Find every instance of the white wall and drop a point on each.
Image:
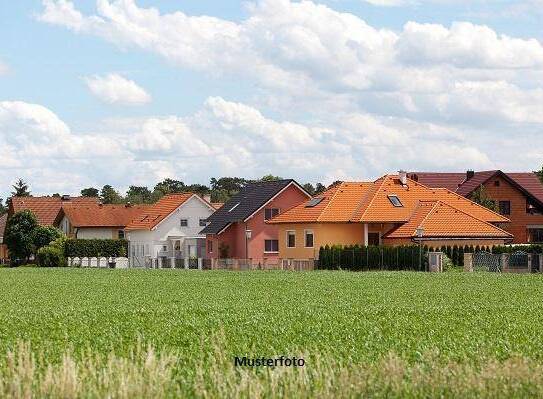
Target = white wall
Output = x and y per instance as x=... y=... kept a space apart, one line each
x=152 y=241
x=96 y=232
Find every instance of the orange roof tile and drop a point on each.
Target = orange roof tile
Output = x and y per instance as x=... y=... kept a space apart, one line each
x=153 y=215
x=369 y=202
x=217 y=205
x=46 y=209
x=108 y=215
x=439 y=219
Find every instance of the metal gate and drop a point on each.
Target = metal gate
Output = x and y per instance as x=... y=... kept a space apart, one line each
x=518 y=260
x=536 y=263
x=487 y=262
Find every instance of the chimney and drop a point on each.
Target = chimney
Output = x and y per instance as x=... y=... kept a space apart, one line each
x=128 y=204
x=65 y=197
x=470 y=174
x=207 y=197
x=403 y=176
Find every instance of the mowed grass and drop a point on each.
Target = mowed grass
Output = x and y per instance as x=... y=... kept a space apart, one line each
x=351 y=320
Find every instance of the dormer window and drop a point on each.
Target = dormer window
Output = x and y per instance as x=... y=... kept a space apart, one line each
x=394 y=200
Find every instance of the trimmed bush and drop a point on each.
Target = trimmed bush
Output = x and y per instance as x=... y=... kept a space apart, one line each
x=95 y=248
x=50 y=256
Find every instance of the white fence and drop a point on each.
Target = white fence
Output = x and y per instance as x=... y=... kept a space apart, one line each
x=117 y=263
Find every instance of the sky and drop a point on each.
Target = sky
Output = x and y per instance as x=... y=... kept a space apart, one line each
x=129 y=92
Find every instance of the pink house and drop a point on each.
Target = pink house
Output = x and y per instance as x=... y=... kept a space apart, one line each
x=239 y=229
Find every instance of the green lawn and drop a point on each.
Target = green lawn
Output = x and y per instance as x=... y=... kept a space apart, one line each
x=351 y=318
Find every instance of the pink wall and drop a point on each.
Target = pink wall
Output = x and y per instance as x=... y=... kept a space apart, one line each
x=234 y=236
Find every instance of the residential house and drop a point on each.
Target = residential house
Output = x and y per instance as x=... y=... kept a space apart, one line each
x=239 y=229
x=46 y=209
x=92 y=220
x=169 y=231
x=517 y=196
x=392 y=210
x=4 y=256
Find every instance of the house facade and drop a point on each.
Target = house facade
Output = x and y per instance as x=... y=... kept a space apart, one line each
x=392 y=210
x=102 y=221
x=167 y=233
x=517 y=196
x=239 y=230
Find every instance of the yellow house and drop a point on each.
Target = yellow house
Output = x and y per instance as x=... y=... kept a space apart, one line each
x=392 y=210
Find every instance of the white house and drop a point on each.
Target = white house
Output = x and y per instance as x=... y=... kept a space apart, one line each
x=167 y=233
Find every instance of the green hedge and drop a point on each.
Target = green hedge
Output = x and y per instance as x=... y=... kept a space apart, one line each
x=95 y=248
x=50 y=256
x=359 y=258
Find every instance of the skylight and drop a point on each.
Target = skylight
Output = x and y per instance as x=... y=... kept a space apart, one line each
x=234 y=207
x=313 y=202
x=393 y=198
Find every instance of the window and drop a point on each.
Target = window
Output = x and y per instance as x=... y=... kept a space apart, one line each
x=203 y=223
x=210 y=246
x=270 y=213
x=313 y=202
x=373 y=239
x=271 y=245
x=497 y=183
x=505 y=207
x=393 y=198
x=309 y=238
x=120 y=234
x=291 y=239
x=184 y=222
x=535 y=235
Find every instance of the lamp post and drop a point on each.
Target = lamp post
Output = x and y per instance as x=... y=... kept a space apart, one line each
x=420 y=232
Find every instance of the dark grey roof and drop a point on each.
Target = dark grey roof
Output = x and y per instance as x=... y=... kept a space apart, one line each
x=250 y=199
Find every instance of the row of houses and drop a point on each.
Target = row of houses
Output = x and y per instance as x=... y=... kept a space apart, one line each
x=268 y=221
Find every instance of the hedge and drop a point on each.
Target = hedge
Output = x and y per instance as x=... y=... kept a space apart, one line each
x=358 y=258
x=95 y=248
x=50 y=256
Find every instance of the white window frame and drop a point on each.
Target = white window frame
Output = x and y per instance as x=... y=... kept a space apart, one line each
x=287 y=242
x=305 y=238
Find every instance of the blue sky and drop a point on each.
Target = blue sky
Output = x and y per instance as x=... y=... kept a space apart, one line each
x=112 y=92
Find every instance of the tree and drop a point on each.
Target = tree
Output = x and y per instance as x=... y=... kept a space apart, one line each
x=20 y=189
x=539 y=174
x=270 y=178
x=320 y=188
x=108 y=195
x=3 y=207
x=168 y=186
x=224 y=188
x=44 y=235
x=199 y=189
x=480 y=197
x=90 y=192
x=309 y=188
x=138 y=195
x=335 y=183
x=19 y=235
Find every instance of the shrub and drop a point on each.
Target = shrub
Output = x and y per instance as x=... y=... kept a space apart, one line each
x=95 y=248
x=50 y=256
x=18 y=236
x=44 y=235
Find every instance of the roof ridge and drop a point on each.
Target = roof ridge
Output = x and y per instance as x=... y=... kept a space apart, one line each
x=427 y=215
x=385 y=178
x=336 y=189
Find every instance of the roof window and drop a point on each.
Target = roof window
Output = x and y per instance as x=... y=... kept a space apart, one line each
x=313 y=202
x=393 y=198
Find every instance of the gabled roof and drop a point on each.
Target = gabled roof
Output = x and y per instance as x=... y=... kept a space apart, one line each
x=245 y=203
x=526 y=182
x=3 y=220
x=154 y=214
x=46 y=209
x=369 y=202
x=107 y=215
x=439 y=220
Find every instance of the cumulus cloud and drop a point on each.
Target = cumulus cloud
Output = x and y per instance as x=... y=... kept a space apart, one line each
x=115 y=89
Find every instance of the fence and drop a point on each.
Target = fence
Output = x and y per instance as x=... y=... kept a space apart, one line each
x=118 y=263
x=254 y=264
x=515 y=262
x=361 y=258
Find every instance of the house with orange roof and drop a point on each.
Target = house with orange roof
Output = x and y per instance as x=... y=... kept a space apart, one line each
x=96 y=220
x=392 y=210
x=517 y=196
x=47 y=209
x=167 y=233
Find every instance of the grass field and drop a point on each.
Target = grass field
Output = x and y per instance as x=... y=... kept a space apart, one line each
x=381 y=334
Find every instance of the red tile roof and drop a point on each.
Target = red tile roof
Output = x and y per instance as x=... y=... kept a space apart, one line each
x=46 y=209
x=153 y=215
x=439 y=219
x=107 y=215
x=530 y=182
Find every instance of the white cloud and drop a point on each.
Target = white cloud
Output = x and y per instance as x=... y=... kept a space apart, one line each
x=115 y=89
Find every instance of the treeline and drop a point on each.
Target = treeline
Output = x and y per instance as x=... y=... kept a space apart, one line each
x=360 y=258
x=220 y=190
